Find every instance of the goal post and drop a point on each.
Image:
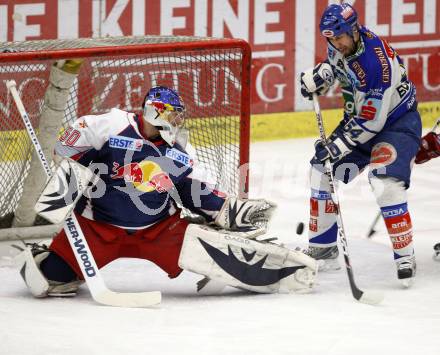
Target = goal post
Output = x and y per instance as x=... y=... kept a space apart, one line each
x=61 y=80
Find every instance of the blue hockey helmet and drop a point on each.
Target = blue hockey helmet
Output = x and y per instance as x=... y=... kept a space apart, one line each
x=166 y=95
x=338 y=19
x=164 y=109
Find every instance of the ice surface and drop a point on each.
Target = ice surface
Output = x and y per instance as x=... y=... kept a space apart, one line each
x=327 y=321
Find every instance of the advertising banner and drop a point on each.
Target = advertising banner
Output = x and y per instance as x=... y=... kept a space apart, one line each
x=283 y=34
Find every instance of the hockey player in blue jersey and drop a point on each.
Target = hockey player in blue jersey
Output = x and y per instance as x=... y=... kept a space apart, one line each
x=381 y=128
x=143 y=174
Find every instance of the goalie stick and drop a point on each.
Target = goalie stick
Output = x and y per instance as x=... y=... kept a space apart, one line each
x=99 y=291
x=369 y=297
x=373 y=225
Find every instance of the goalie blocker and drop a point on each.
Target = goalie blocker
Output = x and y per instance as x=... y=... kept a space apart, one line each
x=63 y=190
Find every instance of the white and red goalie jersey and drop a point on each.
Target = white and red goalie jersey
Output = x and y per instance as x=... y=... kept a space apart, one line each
x=137 y=175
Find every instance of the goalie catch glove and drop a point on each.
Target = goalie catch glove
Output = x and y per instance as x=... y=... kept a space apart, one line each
x=243 y=214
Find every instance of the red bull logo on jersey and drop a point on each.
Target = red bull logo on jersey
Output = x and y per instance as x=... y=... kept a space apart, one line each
x=127 y=143
x=146 y=176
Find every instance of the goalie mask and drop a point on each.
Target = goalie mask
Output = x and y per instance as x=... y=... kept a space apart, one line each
x=164 y=109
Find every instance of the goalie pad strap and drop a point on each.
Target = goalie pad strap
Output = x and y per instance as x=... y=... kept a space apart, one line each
x=243 y=263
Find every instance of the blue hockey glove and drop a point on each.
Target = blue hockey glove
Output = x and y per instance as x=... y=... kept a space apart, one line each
x=342 y=141
x=316 y=80
x=333 y=150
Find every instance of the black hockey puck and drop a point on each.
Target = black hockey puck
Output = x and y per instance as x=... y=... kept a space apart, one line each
x=300 y=228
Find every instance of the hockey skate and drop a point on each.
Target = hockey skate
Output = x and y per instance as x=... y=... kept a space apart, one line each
x=29 y=261
x=327 y=257
x=406 y=270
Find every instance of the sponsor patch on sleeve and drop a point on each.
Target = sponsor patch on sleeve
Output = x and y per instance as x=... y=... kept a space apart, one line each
x=127 y=143
x=179 y=156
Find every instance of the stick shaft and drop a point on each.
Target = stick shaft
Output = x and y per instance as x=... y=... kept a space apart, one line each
x=11 y=85
x=72 y=228
x=357 y=293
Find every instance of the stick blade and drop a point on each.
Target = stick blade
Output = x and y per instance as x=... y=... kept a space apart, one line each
x=130 y=300
x=371 y=233
x=372 y=297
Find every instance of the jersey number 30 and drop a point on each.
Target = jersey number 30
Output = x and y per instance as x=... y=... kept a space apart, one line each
x=70 y=136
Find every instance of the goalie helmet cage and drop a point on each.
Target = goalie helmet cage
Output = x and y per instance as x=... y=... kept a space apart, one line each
x=211 y=75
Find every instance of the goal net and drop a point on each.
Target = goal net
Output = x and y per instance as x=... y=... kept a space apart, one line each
x=61 y=80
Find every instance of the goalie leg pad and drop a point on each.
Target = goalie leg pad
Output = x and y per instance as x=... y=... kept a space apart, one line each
x=31 y=273
x=228 y=258
x=29 y=265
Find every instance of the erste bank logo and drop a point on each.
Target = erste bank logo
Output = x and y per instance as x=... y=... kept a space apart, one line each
x=127 y=143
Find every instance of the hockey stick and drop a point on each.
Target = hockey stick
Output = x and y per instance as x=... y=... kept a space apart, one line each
x=372 y=230
x=78 y=242
x=370 y=297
